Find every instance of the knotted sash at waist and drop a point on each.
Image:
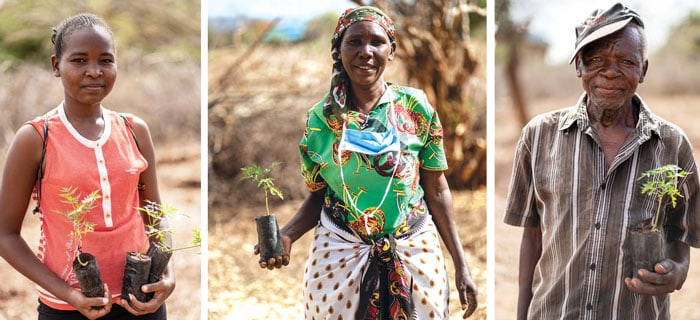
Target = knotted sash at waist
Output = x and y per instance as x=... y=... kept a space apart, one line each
x=386 y=288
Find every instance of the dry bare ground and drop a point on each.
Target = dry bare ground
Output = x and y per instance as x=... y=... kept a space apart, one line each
x=681 y=110
x=273 y=88
x=239 y=289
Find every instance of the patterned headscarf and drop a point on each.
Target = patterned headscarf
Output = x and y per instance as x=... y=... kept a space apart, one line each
x=336 y=102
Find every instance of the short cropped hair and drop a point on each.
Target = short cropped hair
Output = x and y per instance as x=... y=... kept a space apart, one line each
x=68 y=26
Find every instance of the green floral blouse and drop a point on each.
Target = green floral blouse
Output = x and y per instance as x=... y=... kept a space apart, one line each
x=367 y=177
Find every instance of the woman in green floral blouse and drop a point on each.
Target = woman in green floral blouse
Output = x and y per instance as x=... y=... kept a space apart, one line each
x=372 y=158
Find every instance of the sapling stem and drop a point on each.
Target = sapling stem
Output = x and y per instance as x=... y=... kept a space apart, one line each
x=156 y=213
x=655 y=226
x=79 y=210
x=196 y=241
x=267 y=206
x=77 y=256
x=261 y=176
x=662 y=181
x=184 y=248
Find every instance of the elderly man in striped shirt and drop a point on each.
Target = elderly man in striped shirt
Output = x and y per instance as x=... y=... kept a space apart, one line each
x=575 y=188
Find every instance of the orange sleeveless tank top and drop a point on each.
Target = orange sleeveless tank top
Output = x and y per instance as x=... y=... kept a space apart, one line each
x=112 y=166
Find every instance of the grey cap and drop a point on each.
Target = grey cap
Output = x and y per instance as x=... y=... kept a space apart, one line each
x=603 y=23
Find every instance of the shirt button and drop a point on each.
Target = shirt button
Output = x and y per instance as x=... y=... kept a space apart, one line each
x=597 y=225
x=589 y=307
x=592 y=266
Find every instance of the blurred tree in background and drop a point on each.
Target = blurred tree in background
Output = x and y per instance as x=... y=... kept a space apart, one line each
x=318 y=29
x=676 y=65
x=434 y=42
x=684 y=38
x=511 y=38
x=170 y=27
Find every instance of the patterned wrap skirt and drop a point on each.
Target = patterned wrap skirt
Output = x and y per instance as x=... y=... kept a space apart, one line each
x=338 y=261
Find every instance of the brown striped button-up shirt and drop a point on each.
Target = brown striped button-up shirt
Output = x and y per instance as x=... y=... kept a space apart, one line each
x=561 y=183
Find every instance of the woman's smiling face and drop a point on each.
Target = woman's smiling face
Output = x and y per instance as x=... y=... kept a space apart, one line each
x=88 y=66
x=364 y=50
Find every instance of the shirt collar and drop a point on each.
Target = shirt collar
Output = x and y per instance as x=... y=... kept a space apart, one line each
x=83 y=140
x=388 y=96
x=576 y=115
x=579 y=116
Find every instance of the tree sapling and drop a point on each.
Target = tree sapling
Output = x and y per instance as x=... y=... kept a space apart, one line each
x=269 y=242
x=84 y=264
x=647 y=241
x=662 y=182
x=149 y=264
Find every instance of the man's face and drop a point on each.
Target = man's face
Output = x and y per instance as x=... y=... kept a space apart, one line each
x=611 y=68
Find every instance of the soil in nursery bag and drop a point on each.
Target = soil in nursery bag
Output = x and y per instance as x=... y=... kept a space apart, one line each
x=647 y=249
x=159 y=262
x=88 y=274
x=269 y=242
x=136 y=273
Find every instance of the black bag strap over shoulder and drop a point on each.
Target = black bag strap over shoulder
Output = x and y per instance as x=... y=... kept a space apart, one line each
x=141 y=186
x=40 y=170
x=131 y=129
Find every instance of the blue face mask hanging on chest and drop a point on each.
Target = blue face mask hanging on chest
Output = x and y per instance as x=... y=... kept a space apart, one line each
x=370 y=143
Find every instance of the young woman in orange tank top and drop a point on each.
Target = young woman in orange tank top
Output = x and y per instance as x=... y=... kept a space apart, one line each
x=89 y=147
